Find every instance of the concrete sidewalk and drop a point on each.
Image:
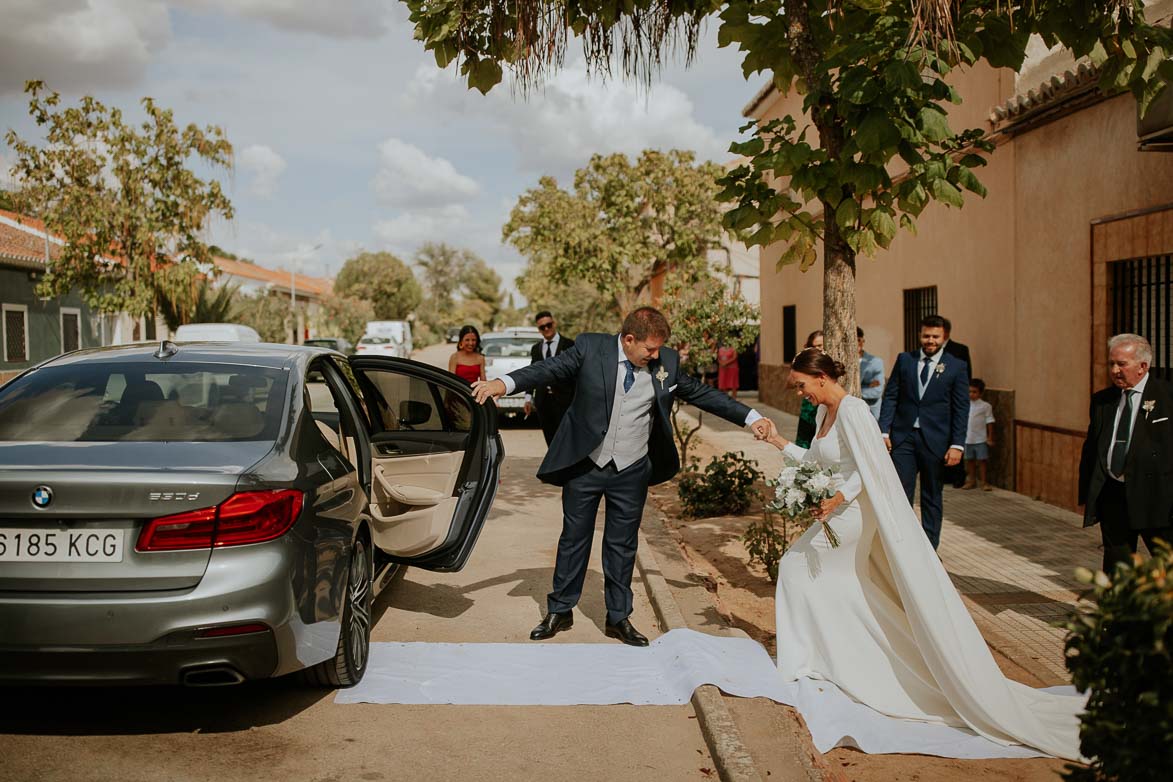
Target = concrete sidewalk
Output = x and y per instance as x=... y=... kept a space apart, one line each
x=1011 y=558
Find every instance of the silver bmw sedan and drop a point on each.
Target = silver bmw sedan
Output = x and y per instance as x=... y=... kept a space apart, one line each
x=207 y=513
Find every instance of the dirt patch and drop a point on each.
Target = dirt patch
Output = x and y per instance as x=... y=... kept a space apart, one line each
x=744 y=597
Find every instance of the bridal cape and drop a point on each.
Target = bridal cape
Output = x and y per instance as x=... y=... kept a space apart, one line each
x=955 y=671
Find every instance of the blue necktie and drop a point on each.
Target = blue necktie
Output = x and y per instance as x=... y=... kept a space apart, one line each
x=629 y=378
x=924 y=373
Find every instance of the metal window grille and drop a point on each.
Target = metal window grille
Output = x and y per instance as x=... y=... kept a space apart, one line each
x=919 y=303
x=14 y=336
x=70 y=331
x=1142 y=302
x=789 y=333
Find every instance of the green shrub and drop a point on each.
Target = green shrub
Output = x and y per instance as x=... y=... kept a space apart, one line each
x=727 y=487
x=766 y=542
x=1119 y=652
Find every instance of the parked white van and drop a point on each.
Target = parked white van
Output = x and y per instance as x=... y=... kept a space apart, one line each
x=216 y=332
x=398 y=331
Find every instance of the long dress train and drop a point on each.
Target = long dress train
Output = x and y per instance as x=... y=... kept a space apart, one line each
x=879 y=617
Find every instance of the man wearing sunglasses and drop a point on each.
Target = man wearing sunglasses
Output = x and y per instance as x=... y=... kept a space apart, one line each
x=551 y=401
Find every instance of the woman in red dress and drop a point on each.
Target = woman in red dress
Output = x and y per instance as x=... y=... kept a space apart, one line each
x=467 y=361
x=728 y=375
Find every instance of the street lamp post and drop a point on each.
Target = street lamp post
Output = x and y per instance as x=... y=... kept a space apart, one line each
x=293 y=290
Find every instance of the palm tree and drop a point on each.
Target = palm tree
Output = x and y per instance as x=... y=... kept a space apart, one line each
x=207 y=304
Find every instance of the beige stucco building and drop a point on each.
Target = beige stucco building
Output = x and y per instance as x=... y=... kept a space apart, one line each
x=1074 y=241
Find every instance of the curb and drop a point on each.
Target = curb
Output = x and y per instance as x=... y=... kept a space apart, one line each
x=732 y=759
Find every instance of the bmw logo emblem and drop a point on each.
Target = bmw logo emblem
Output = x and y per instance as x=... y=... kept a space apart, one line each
x=42 y=496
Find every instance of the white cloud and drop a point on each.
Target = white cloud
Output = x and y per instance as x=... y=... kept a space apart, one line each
x=404 y=233
x=349 y=19
x=558 y=128
x=264 y=165
x=274 y=248
x=409 y=178
x=79 y=44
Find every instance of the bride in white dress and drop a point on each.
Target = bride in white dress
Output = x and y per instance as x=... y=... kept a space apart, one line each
x=878 y=615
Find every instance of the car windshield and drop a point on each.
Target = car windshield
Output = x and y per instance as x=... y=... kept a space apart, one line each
x=507 y=347
x=324 y=343
x=148 y=402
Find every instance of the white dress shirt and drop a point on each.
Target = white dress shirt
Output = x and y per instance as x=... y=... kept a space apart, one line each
x=1139 y=389
x=934 y=360
x=552 y=343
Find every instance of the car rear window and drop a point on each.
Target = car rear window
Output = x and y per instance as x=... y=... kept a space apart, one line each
x=507 y=348
x=374 y=341
x=113 y=401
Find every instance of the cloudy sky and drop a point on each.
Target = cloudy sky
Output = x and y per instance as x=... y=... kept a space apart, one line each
x=346 y=134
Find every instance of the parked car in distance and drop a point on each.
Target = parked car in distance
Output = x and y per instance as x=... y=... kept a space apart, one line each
x=216 y=332
x=371 y=345
x=452 y=334
x=204 y=514
x=343 y=346
x=505 y=351
x=398 y=331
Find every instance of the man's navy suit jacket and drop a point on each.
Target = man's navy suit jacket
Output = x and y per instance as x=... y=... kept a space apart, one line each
x=943 y=412
x=592 y=367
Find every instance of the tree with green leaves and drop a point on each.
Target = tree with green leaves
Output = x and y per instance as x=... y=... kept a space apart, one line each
x=343 y=316
x=122 y=196
x=578 y=306
x=704 y=315
x=459 y=288
x=383 y=280
x=874 y=78
x=624 y=223
x=269 y=313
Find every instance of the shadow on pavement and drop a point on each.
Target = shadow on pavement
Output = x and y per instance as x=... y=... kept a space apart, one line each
x=113 y=711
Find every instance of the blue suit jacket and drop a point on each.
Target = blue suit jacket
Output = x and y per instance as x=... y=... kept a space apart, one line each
x=591 y=367
x=943 y=412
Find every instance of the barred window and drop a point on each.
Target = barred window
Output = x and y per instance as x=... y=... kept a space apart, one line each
x=789 y=333
x=1142 y=299
x=919 y=303
x=16 y=343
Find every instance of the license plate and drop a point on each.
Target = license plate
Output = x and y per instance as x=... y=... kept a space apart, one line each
x=40 y=545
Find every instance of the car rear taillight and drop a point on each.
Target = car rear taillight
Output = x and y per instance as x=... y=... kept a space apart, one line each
x=230 y=630
x=245 y=517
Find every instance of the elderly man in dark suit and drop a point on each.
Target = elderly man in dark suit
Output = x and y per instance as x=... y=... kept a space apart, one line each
x=1126 y=467
x=614 y=442
x=550 y=401
x=924 y=417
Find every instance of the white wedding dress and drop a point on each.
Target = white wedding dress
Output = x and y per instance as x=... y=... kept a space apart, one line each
x=879 y=617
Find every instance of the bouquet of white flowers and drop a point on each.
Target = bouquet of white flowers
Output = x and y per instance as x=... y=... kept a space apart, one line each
x=800 y=487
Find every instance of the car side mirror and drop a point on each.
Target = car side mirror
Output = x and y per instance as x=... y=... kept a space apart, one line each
x=414 y=413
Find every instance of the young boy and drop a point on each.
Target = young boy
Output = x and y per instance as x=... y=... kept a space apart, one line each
x=979 y=437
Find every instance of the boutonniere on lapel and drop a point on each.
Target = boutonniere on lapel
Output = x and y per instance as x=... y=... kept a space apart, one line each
x=662 y=375
x=940 y=367
x=1148 y=407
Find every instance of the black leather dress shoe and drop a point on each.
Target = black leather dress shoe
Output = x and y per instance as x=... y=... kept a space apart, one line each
x=626 y=633
x=554 y=623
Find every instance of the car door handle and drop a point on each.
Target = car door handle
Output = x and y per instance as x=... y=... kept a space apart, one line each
x=386 y=450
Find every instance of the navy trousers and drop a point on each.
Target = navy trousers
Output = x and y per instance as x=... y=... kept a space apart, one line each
x=625 y=493
x=912 y=457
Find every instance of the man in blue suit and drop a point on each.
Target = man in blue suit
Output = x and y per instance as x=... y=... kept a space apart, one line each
x=924 y=417
x=613 y=442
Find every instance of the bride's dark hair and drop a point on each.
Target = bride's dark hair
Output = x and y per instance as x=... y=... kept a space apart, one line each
x=813 y=361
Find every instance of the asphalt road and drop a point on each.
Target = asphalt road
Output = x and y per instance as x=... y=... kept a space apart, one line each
x=284 y=730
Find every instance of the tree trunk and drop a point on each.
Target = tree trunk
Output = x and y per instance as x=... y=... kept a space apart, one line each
x=838 y=259
x=839 y=304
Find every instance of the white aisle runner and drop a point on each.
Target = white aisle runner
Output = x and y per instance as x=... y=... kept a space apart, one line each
x=665 y=674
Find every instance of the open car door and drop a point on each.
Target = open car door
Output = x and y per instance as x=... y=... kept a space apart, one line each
x=435 y=461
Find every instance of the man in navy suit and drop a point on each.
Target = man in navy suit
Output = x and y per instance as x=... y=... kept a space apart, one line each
x=924 y=418
x=613 y=442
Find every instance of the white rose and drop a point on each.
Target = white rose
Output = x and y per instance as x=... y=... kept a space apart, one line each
x=819 y=483
x=787 y=477
x=794 y=497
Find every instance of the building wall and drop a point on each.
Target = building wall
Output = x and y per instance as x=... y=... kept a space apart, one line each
x=44 y=320
x=1014 y=273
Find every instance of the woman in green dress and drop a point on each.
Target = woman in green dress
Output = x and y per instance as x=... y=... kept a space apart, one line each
x=806 y=416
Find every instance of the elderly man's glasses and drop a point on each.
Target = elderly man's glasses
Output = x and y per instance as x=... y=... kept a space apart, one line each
x=547 y=325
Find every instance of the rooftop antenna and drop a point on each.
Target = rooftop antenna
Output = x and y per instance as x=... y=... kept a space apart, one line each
x=167 y=349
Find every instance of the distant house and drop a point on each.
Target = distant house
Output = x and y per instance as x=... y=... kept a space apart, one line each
x=254 y=280
x=33 y=329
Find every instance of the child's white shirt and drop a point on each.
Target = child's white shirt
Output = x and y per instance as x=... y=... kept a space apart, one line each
x=980 y=414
